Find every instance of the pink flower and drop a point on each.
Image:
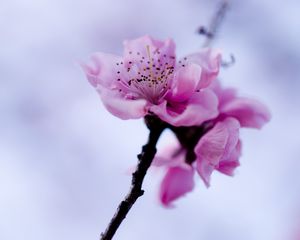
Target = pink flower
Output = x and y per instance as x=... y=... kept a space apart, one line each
x=218 y=148
x=147 y=80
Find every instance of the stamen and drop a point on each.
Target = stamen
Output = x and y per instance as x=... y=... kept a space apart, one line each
x=148 y=76
x=150 y=60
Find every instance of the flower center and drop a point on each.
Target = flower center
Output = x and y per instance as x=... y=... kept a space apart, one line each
x=148 y=75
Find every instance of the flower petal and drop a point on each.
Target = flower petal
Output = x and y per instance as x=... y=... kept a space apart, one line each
x=141 y=47
x=233 y=127
x=102 y=69
x=217 y=144
x=224 y=95
x=205 y=169
x=211 y=146
x=227 y=166
x=201 y=107
x=138 y=46
x=185 y=82
x=209 y=60
x=177 y=182
x=249 y=112
x=122 y=108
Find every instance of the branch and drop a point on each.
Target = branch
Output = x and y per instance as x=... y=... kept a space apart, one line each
x=156 y=127
x=215 y=24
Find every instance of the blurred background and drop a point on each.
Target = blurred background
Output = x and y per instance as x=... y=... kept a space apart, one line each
x=63 y=157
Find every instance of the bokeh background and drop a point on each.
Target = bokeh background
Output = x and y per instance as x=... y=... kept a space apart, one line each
x=64 y=158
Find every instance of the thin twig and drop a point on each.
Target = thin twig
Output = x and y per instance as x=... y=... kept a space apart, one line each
x=229 y=63
x=156 y=127
x=215 y=24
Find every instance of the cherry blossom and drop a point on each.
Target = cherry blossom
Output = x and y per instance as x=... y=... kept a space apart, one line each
x=148 y=80
x=217 y=149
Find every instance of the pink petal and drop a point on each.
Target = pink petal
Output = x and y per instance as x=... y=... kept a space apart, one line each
x=141 y=47
x=233 y=127
x=177 y=182
x=250 y=113
x=227 y=166
x=217 y=144
x=211 y=146
x=201 y=107
x=205 y=169
x=209 y=60
x=102 y=69
x=225 y=95
x=120 y=107
x=185 y=82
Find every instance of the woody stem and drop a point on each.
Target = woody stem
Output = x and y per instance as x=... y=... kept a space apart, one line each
x=145 y=158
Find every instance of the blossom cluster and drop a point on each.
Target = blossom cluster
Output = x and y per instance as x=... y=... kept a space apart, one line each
x=186 y=93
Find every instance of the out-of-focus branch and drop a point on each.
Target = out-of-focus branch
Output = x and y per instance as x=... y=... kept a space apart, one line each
x=211 y=32
x=228 y=63
x=156 y=127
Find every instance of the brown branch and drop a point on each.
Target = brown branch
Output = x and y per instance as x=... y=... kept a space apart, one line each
x=156 y=127
x=215 y=24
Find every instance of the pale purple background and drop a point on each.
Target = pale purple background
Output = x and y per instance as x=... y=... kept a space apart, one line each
x=63 y=157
